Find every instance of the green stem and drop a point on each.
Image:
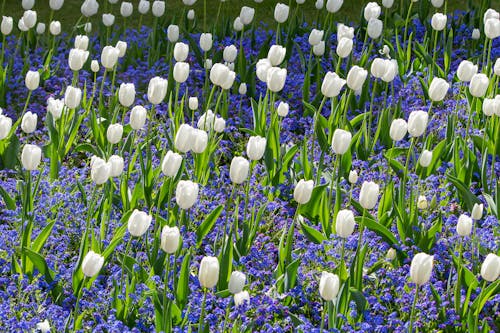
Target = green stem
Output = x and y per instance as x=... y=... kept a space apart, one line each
x=202 y=315
x=412 y=315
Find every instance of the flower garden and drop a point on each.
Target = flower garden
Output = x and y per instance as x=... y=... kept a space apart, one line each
x=198 y=170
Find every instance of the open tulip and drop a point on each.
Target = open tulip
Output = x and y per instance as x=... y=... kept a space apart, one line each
x=173 y=36
x=332 y=84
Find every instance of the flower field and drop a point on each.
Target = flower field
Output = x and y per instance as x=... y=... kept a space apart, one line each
x=239 y=166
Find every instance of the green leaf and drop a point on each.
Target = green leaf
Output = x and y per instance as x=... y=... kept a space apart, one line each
x=312 y=234
x=40 y=240
x=379 y=229
x=207 y=225
x=182 y=290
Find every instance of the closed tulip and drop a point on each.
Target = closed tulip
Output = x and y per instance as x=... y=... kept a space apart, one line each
x=353 y=177
x=476 y=34
x=206 y=41
x=94 y=66
x=21 y=26
x=368 y=195
x=100 y=170
x=333 y=6
x=186 y=194
x=492 y=28
x=478 y=85
x=238 y=171
x=77 y=59
x=229 y=54
x=372 y=10
x=29 y=18
x=117 y=165
x=316 y=36
x=422 y=202
x=466 y=70
x=496 y=67
x=387 y=3
x=237 y=24
x=193 y=103
x=438 y=89
x=92 y=264
x=32 y=80
x=438 y=21
x=490 y=269
x=344 y=47
x=126 y=94
x=332 y=84
x=374 y=28
x=236 y=282
x=183 y=138
x=344 y=224
x=199 y=141
x=344 y=31
x=157 y=89
x=138 y=223
x=218 y=73
x=219 y=125
x=206 y=121
x=241 y=298
x=122 y=48
x=7 y=24
x=114 y=133
x=276 y=55
x=208 y=273
x=55 y=28
x=303 y=191
x=262 y=66
x=276 y=78
x=158 y=8
x=391 y=254
x=81 y=42
x=28 y=123
x=190 y=14
x=329 y=286
x=181 y=72
x=437 y=3
x=378 y=68
x=55 y=107
x=72 y=97
x=143 y=7
x=464 y=225
x=181 y=51
x=256 y=147
x=417 y=123
x=171 y=164
x=31 y=157
x=246 y=15
x=40 y=28
x=282 y=109
x=341 y=141
x=126 y=9
x=490 y=106
x=170 y=239
x=398 y=129
x=425 y=158
x=281 y=12
x=421 y=268
x=490 y=13
x=356 y=77
x=109 y=56
x=89 y=8
x=5 y=126
x=108 y=19
x=391 y=70
x=43 y=327
x=319 y=49
x=242 y=89
x=319 y=4
x=477 y=211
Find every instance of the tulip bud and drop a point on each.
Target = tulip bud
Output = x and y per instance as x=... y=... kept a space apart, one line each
x=374 y=28
x=281 y=12
x=276 y=55
x=87 y=27
x=421 y=268
x=181 y=51
x=32 y=80
x=138 y=223
x=108 y=19
x=40 y=28
x=157 y=89
x=43 y=327
x=387 y=3
x=238 y=172
x=206 y=41
x=28 y=123
x=199 y=141
x=425 y=158
x=276 y=78
x=94 y=66
x=237 y=24
x=417 y=123
x=170 y=239
x=109 y=57
x=72 y=97
x=6 y=26
x=344 y=224
x=126 y=94
x=283 y=109
x=183 y=138
x=356 y=77
x=242 y=90
x=369 y=195
x=158 y=8
x=438 y=89
x=496 y=67
x=208 y=273
x=332 y=84
x=398 y=129
x=186 y=194
x=246 y=15
x=333 y=6
x=438 y=21
x=466 y=70
x=27 y=4
x=476 y=34
x=236 y=282
x=55 y=28
x=464 y=225
x=89 y=8
x=344 y=47
x=219 y=125
x=492 y=28
x=114 y=133
x=190 y=14
x=478 y=85
x=329 y=285
x=29 y=18
x=316 y=36
x=21 y=26
x=117 y=165
x=353 y=177
x=391 y=254
x=437 y=3
x=77 y=58
x=341 y=141
x=477 y=211
x=100 y=170
x=218 y=73
x=5 y=126
x=31 y=157
x=193 y=103
x=372 y=10
x=318 y=4
x=422 y=202
x=319 y=49
x=303 y=191
x=181 y=72
x=344 y=31
x=55 y=107
x=171 y=164
x=92 y=264
x=241 y=297
x=490 y=269
x=126 y=9
x=230 y=53
x=378 y=68
x=122 y=48
x=81 y=42
x=256 y=147
x=143 y=7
